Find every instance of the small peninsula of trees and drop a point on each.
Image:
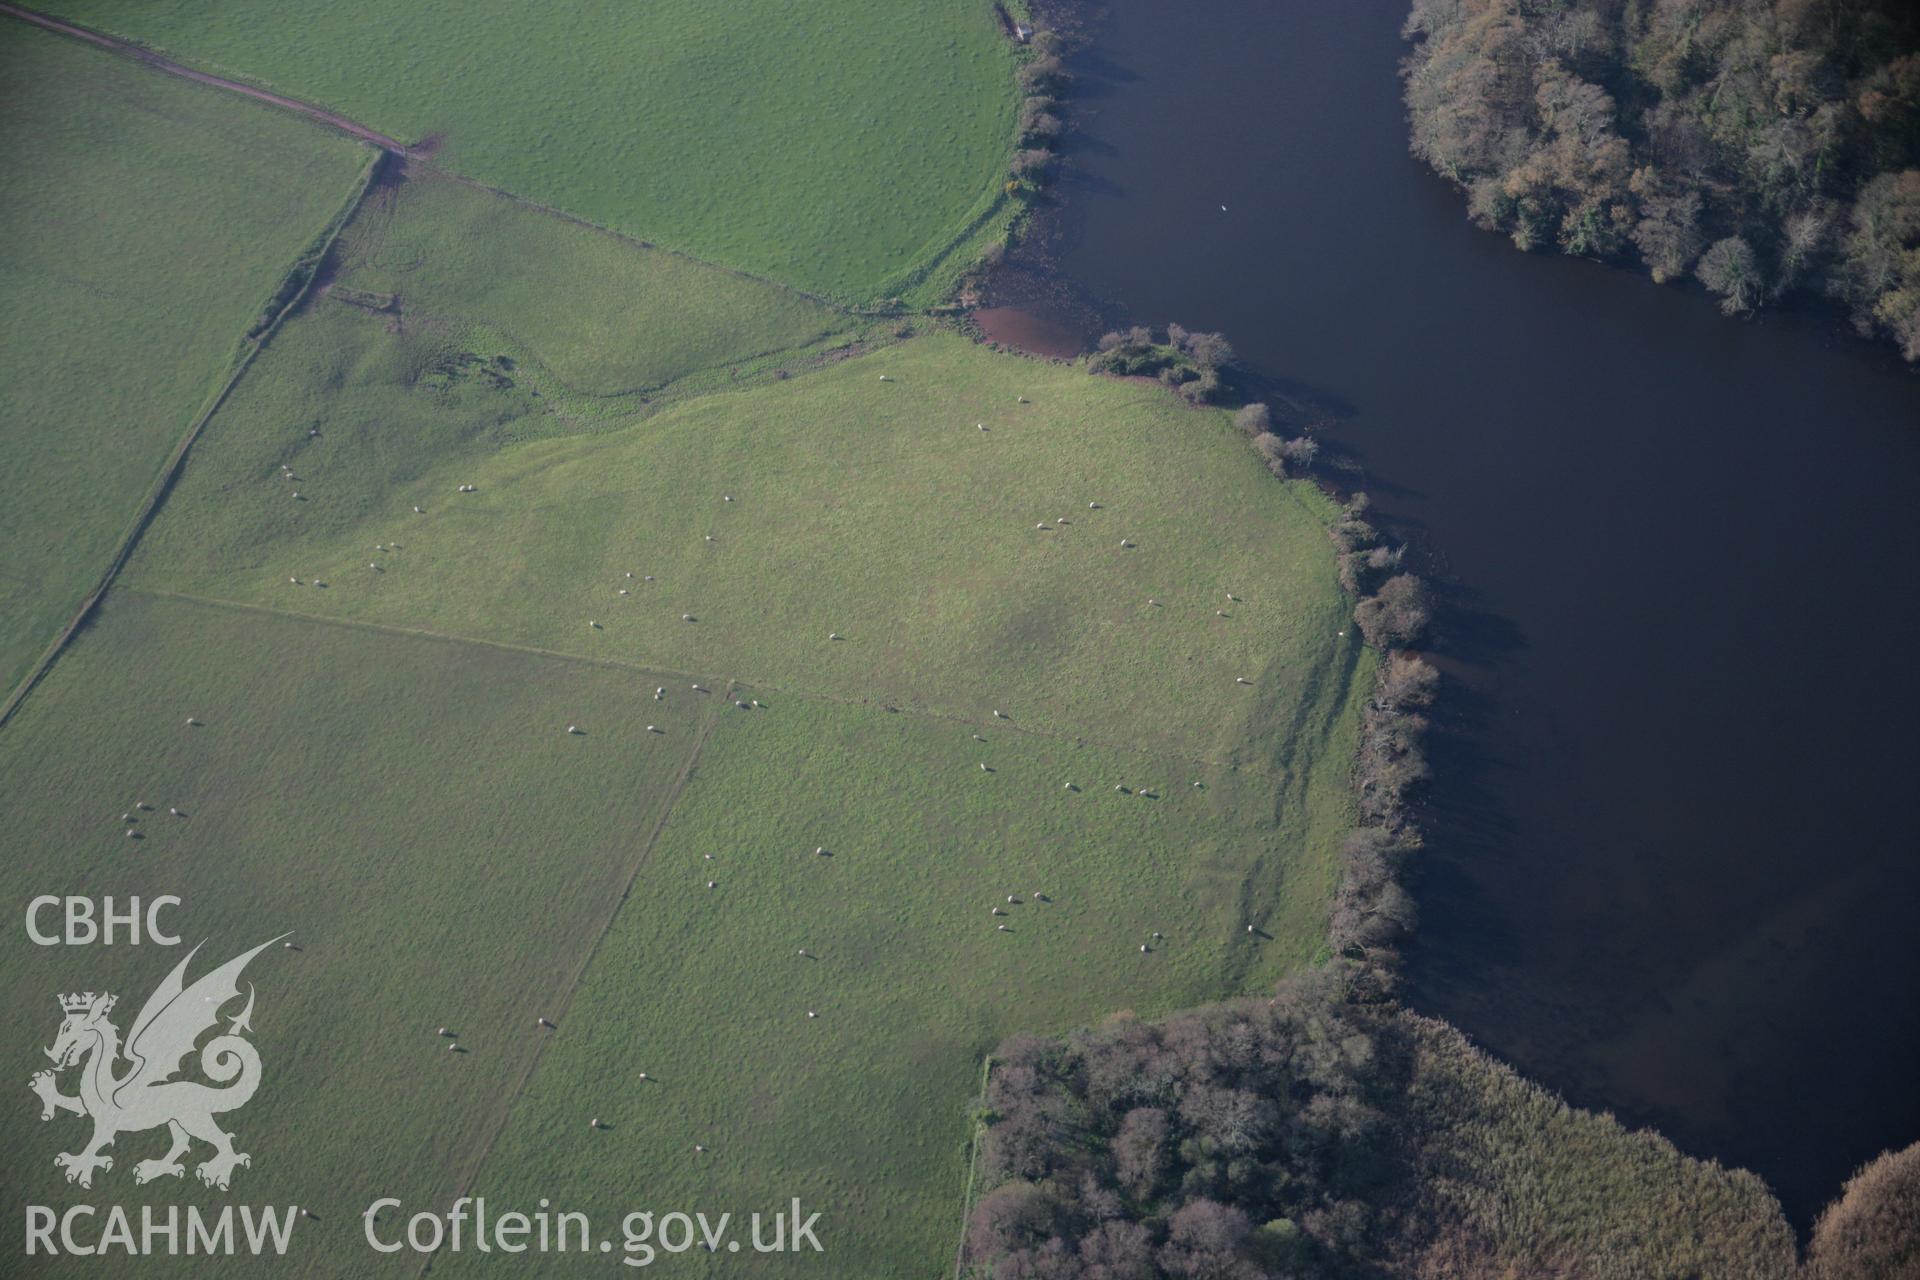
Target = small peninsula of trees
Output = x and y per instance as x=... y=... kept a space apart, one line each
x=1321 y=1135
x=1189 y=362
x=1761 y=147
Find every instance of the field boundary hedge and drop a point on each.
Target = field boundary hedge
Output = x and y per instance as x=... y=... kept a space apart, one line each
x=158 y=61
x=293 y=289
x=973 y=1172
x=470 y=1173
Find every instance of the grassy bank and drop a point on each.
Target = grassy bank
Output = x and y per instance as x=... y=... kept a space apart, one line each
x=875 y=510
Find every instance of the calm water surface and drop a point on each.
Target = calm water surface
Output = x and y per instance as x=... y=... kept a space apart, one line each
x=1673 y=871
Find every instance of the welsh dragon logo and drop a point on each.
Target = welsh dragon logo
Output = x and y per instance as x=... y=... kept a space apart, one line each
x=145 y=1095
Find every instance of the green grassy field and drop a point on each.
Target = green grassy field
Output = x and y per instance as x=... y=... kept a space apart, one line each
x=843 y=147
x=874 y=505
x=919 y=557
x=413 y=810
x=143 y=223
x=872 y=509
x=860 y=1112
x=591 y=318
x=878 y=508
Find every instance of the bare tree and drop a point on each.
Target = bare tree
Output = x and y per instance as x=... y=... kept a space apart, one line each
x=1396 y=615
x=1254 y=419
x=1730 y=270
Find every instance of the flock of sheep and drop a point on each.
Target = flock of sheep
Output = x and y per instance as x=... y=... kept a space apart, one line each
x=998 y=912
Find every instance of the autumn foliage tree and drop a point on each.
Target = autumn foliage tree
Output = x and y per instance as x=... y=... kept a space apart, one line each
x=1230 y=1143
x=1763 y=146
x=1190 y=362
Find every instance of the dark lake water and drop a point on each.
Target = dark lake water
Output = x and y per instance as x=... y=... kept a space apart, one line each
x=1673 y=867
